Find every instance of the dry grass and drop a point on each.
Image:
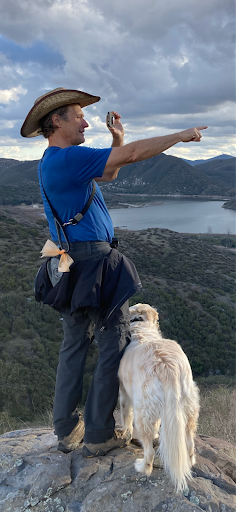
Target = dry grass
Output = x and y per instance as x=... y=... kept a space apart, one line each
x=8 y=423
x=218 y=412
x=217 y=415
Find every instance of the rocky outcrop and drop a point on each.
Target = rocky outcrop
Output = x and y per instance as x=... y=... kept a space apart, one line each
x=35 y=477
x=231 y=204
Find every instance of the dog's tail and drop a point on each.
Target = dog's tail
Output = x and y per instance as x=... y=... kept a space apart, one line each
x=173 y=449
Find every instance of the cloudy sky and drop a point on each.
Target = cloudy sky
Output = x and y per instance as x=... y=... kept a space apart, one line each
x=163 y=65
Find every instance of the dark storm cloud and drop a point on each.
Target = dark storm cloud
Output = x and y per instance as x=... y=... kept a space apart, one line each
x=21 y=20
x=160 y=64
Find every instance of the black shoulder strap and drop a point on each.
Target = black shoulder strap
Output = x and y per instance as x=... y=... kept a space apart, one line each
x=76 y=219
x=57 y=220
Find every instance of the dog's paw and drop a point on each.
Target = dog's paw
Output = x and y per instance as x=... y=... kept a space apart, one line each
x=142 y=467
x=148 y=469
x=139 y=465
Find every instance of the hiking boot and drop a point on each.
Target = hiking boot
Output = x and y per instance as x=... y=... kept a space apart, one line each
x=120 y=439
x=72 y=441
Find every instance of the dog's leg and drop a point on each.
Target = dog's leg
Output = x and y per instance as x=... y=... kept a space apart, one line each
x=126 y=410
x=156 y=429
x=190 y=430
x=145 y=436
x=147 y=425
x=146 y=465
x=192 y=418
x=148 y=398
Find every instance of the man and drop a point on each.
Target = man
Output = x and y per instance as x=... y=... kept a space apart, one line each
x=101 y=279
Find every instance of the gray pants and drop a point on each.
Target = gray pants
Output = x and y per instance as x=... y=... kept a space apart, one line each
x=78 y=331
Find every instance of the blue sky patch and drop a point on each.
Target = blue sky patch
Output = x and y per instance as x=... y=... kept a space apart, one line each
x=38 y=53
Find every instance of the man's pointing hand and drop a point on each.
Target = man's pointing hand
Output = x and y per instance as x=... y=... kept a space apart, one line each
x=192 y=134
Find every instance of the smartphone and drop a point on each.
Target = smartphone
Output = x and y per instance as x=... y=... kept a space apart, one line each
x=110 y=119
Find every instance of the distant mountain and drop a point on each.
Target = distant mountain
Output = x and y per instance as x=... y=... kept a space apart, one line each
x=222 y=170
x=224 y=156
x=162 y=174
x=165 y=174
x=5 y=163
x=18 y=173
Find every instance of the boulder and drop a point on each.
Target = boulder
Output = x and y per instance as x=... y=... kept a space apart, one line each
x=35 y=477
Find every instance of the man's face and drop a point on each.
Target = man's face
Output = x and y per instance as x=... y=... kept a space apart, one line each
x=72 y=129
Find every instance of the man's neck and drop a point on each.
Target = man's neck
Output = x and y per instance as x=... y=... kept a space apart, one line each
x=56 y=139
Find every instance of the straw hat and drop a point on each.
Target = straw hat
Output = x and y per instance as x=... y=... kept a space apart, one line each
x=48 y=102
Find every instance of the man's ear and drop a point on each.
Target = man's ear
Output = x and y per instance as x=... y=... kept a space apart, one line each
x=56 y=120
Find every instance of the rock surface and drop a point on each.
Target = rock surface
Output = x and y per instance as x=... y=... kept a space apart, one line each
x=35 y=477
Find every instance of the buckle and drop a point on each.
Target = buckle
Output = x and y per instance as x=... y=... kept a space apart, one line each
x=67 y=223
x=74 y=221
x=114 y=244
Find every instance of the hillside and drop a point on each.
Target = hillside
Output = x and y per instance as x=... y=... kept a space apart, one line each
x=189 y=280
x=6 y=163
x=162 y=175
x=222 y=170
x=19 y=173
x=19 y=182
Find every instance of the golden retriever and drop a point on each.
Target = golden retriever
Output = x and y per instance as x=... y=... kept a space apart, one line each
x=157 y=388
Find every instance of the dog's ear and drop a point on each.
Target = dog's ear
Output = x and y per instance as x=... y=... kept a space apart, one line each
x=135 y=309
x=156 y=318
x=153 y=316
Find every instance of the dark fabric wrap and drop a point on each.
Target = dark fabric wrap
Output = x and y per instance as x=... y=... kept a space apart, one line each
x=102 y=282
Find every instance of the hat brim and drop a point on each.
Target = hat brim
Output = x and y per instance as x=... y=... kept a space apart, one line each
x=51 y=101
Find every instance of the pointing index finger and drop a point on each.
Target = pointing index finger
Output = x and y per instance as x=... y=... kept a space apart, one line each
x=201 y=127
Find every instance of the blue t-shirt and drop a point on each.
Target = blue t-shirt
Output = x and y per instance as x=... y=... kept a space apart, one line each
x=67 y=179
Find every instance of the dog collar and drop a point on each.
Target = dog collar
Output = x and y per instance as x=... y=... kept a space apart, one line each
x=140 y=319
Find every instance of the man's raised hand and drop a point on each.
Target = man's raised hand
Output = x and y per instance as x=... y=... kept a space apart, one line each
x=116 y=129
x=192 y=134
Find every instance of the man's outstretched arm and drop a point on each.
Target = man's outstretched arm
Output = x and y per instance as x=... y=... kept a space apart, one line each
x=146 y=148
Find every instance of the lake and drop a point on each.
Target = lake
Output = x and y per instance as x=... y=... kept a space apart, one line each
x=178 y=214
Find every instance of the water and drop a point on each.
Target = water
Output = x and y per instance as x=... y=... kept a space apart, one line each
x=182 y=215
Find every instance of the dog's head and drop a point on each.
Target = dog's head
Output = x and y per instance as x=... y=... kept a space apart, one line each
x=143 y=313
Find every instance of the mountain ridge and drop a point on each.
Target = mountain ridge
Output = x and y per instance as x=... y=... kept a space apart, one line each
x=162 y=174
x=165 y=174
x=223 y=156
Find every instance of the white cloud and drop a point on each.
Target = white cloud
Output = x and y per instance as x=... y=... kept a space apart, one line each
x=6 y=124
x=21 y=151
x=12 y=94
x=206 y=149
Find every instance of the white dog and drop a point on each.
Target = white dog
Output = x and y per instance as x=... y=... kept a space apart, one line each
x=157 y=388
